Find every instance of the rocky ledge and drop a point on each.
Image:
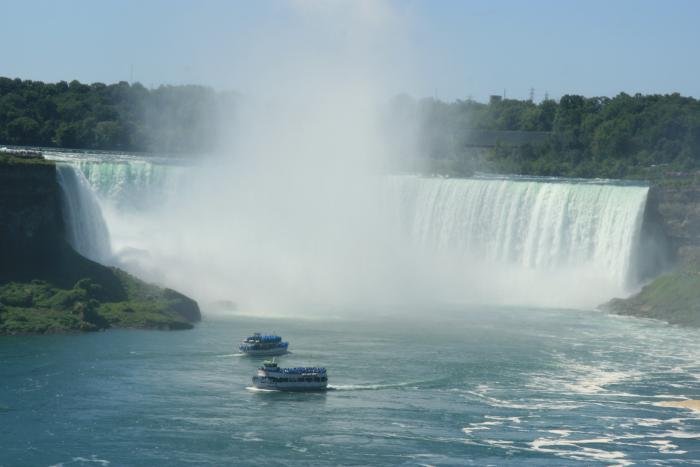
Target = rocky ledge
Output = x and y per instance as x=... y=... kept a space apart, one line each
x=673 y=297
x=47 y=287
x=674 y=210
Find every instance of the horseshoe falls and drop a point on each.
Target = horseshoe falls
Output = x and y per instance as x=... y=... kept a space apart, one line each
x=538 y=242
x=407 y=239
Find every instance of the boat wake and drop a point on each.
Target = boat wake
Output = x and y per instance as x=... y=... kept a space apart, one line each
x=254 y=389
x=83 y=460
x=365 y=387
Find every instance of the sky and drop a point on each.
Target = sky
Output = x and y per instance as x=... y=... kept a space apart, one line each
x=445 y=49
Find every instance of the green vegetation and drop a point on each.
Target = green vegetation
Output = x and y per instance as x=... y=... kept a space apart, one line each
x=118 y=116
x=9 y=160
x=673 y=297
x=41 y=307
x=638 y=136
x=45 y=286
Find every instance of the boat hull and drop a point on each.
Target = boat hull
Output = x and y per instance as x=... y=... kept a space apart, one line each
x=301 y=386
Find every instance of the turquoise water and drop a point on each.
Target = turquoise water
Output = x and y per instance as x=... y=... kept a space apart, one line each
x=467 y=387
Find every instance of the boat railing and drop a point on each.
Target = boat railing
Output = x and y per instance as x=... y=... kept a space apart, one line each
x=263 y=338
x=254 y=345
x=301 y=370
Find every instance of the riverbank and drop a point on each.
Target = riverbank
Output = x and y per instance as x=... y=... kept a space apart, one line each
x=673 y=214
x=673 y=297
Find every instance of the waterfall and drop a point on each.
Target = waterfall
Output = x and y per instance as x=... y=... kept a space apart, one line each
x=549 y=226
x=131 y=184
x=86 y=229
x=511 y=240
x=125 y=182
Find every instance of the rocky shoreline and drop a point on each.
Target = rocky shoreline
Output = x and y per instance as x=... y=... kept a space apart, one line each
x=673 y=214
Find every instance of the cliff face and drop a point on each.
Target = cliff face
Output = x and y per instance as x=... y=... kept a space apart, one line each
x=672 y=218
x=678 y=215
x=31 y=227
x=45 y=286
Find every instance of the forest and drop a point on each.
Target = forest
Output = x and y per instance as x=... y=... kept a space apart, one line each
x=614 y=137
x=120 y=116
x=618 y=137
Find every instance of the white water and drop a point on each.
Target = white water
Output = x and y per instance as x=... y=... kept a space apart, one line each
x=126 y=181
x=493 y=241
x=571 y=236
x=86 y=230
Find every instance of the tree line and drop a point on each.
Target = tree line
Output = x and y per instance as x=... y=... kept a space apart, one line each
x=118 y=116
x=622 y=136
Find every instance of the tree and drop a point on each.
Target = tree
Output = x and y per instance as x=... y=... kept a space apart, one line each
x=23 y=130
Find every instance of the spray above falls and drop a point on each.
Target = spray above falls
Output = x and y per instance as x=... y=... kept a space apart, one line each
x=296 y=207
x=390 y=239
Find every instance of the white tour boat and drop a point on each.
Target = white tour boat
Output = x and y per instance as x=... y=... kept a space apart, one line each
x=272 y=377
x=263 y=345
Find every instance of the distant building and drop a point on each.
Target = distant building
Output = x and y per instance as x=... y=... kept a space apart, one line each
x=495 y=98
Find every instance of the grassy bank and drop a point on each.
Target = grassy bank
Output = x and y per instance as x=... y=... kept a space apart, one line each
x=39 y=306
x=674 y=298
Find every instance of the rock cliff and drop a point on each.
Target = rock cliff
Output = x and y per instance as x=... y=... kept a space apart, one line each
x=31 y=228
x=673 y=215
x=45 y=286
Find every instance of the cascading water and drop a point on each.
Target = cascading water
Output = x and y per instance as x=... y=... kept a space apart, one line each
x=131 y=184
x=532 y=224
x=126 y=182
x=516 y=241
x=86 y=229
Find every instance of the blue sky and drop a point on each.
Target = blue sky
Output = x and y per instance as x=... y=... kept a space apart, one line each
x=452 y=49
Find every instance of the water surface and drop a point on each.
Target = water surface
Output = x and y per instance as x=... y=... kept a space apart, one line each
x=488 y=386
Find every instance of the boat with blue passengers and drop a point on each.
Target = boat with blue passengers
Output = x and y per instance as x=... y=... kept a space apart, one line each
x=271 y=377
x=263 y=345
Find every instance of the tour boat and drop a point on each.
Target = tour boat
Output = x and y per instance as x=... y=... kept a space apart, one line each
x=263 y=345
x=272 y=377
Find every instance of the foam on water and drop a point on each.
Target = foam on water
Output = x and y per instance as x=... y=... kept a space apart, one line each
x=578 y=449
x=365 y=387
x=254 y=389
